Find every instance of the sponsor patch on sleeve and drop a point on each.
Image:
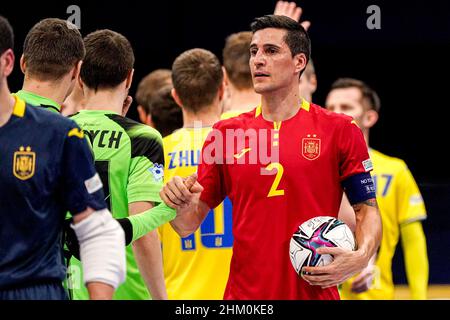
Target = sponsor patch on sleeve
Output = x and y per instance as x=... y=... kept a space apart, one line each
x=157 y=171
x=93 y=184
x=367 y=164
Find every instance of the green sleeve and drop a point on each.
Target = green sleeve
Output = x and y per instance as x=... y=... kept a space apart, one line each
x=149 y=220
x=145 y=180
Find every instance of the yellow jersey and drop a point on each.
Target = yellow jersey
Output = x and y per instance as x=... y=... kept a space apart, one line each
x=197 y=266
x=232 y=114
x=400 y=202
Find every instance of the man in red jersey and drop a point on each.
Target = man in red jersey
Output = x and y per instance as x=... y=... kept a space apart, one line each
x=281 y=164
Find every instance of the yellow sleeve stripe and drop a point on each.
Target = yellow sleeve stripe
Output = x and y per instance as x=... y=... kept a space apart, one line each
x=19 y=107
x=415 y=219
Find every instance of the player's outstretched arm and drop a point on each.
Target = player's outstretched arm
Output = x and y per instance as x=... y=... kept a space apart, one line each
x=347 y=263
x=183 y=195
x=138 y=225
x=102 y=250
x=134 y=226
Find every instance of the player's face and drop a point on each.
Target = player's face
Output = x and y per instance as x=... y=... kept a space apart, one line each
x=347 y=101
x=271 y=62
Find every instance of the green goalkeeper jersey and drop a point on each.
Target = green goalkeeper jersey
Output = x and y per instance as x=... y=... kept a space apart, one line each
x=130 y=161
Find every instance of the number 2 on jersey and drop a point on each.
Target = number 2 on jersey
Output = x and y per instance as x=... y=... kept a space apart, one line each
x=274 y=191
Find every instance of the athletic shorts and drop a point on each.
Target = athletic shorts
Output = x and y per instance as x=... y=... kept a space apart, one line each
x=41 y=291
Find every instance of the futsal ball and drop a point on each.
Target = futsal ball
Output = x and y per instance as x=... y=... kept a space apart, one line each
x=315 y=233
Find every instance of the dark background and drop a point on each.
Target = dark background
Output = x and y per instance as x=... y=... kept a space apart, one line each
x=405 y=62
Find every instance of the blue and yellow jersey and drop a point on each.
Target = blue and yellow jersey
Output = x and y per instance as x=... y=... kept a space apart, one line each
x=195 y=267
x=400 y=202
x=46 y=169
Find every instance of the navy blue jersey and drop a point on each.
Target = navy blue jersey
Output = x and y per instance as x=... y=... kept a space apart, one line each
x=46 y=169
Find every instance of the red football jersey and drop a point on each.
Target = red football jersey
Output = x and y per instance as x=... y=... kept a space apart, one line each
x=277 y=176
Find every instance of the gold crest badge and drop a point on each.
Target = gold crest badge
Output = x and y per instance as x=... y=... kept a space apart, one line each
x=24 y=163
x=311 y=147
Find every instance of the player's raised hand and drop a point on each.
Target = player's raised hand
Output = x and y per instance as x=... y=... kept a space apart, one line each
x=346 y=263
x=291 y=10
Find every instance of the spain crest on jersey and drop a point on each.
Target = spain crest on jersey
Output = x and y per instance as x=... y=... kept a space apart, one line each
x=311 y=147
x=24 y=163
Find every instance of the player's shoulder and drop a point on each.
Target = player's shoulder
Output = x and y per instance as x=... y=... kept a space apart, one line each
x=135 y=129
x=48 y=119
x=385 y=162
x=145 y=141
x=175 y=136
x=327 y=115
x=239 y=121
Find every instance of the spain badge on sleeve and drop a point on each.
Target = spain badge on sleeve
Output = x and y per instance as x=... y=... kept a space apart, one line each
x=24 y=163
x=311 y=147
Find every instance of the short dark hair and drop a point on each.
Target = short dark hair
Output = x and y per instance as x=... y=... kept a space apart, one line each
x=52 y=47
x=6 y=35
x=150 y=84
x=296 y=38
x=166 y=114
x=369 y=97
x=108 y=61
x=236 y=55
x=197 y=76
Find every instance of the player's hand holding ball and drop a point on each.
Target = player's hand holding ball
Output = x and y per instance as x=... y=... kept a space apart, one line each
x=323 y=252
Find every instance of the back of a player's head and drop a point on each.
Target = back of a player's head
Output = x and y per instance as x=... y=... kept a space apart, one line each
x=150 y=84
x=109 y=60
x=197 y=77
x=166 y=114
x=296 y=37
x=236 y=55
x=369 y=97
x=52 y=48
x=6 y=35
